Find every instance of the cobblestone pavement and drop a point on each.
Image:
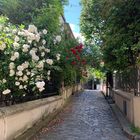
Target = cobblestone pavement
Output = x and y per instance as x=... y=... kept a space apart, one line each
x=87 y=117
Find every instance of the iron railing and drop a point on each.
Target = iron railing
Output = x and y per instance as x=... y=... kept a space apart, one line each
x=7 y=100
x=51 y=89
x=128 y=81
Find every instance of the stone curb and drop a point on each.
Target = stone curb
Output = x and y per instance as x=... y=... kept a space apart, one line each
x=123 y=122
x=31 y=132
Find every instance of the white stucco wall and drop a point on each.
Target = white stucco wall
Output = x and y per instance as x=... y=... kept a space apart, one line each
x=16 y=119
x=133 y=105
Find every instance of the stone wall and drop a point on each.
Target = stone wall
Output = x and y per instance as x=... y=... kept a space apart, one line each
x=16 y=119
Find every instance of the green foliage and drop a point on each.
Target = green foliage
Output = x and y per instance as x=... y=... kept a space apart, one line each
x=92 y=54
x=69 y=75
x=90 y=19
x=25 y=59
x=135 y=129
x=95 y=73
x=66 y=45
x=115 y=27
x=42 y=13
x=3 y=20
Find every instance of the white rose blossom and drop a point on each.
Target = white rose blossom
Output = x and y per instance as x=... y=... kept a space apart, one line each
x=32 y=52
x=20 y=68
x=16 y=78
x=58 y=38
x=7 y=91
x=28 y=45
x=37 y=37
x=40 y=85
x=49 y=72
x=38 y=78
x=17 y=83
x=43 y=41
x=25 y=48
x=49 y=61
x=32 y=74
x=28 y=73
x=41 y=48
x=45 y=31
x=16 y=54
x=43 y=60
x=47 y=50
x=4 y=81
x=7 y=29
x=35 y=58
x=2 y=46
x=17 y=39
x=25 y=65
x=16 y=45
x=14 y=31
x=58 y=56
x=20 y=79
x=21 y=33
x=12 y=73
x=40 y=65
x=13 y=58
x=21 y=87
x=25 y=78
x=48 y=78
x=11 y=66
x=31 y=37
x=19 y=73
x=43 y=54
x=32 y=29
x=25 y=87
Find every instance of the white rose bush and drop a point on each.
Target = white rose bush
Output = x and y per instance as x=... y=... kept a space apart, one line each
x=25 y=60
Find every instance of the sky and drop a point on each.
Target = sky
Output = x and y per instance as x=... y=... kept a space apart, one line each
x=72 y=15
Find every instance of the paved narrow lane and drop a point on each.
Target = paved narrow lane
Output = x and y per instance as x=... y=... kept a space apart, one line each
x=87 y=117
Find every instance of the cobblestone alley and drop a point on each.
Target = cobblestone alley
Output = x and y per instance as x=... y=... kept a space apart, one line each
x=87 y=117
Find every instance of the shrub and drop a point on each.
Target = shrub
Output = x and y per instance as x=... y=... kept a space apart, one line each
x=26 y=60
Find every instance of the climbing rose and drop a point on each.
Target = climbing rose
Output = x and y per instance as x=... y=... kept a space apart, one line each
x=73 y=51
x=40 y=85
x=58 y=38
x=67 y=57
x=32 y=29
x=49 y=61
x=73 y=63
x=7 y=91
x=2 y=47
x=45 y=31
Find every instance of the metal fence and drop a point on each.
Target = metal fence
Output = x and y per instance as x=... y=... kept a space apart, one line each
x=128 y=81
x=51 y=89
x=10 y=99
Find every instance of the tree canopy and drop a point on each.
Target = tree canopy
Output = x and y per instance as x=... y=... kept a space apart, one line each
x=42 y=13
x=115 y=27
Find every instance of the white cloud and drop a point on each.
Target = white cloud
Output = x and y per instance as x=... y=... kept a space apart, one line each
x=79 y=36
x=73 y=27
x=76 y=34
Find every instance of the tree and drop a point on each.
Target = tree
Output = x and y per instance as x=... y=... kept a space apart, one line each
x=42 y=13
x=118 y=26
